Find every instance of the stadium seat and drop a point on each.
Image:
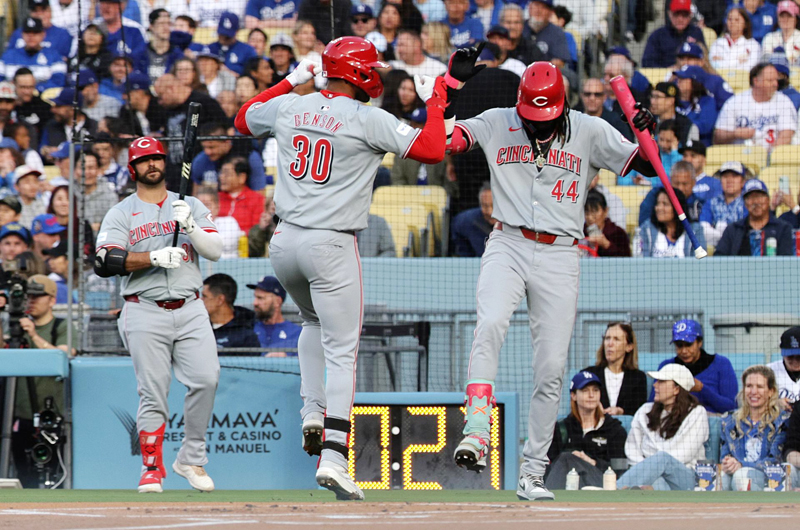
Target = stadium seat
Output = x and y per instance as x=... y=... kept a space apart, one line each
x=205 y=35
x=433 y=198
x=709 y=35
x=785 y=155
x=772 y=177
x=655 y=75
x=607 y=178
x=388 y=160
x=739 y=80
x=404 y=220
x=754 y=157
x=794 y=77
x=632 y=197
x=269 y=190
x=51 y=172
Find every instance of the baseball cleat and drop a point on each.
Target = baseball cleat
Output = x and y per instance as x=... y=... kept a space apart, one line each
x=196 y=475
x=531 y=488
x=471 y=453
x=312 y=436
x=335 y=478
x=151 y=481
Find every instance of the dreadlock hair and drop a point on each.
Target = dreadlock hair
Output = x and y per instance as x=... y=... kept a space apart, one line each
x=563 y=128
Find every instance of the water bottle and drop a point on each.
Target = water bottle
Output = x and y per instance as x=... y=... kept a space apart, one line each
x=772 y=246
x=573 y=480
x=755 y=243
x=609 y=479
x=637 y=243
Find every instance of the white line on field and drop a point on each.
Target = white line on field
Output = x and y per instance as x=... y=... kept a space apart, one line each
x=161 y=527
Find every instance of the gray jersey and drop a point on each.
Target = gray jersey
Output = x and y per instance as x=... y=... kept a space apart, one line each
x=329 y=150
x=138 y=226
x=551 y=199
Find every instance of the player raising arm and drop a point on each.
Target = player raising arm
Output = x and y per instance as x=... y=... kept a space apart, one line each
x=329 y=150
x=164 y=324
x=542 y=157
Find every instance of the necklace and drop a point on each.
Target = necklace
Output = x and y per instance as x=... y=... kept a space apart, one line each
x=540 y=159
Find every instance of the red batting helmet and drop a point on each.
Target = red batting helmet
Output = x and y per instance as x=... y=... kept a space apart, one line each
x=354 y=59
x=541 y=92
x=145 y=146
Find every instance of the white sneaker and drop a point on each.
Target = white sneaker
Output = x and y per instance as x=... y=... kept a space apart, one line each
x=313 y=428
x=335 y=478
x=531 y=488
x=196 y=475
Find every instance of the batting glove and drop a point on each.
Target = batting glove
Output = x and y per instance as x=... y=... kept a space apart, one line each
x=304 y=72
x=461 y=67
x=182 y=213
x=167 y=258
x=432 y=91
x=644 y=119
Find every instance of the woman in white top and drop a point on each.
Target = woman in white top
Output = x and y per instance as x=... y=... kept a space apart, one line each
x=667 y=436
x=787 y=36
x=737 y=49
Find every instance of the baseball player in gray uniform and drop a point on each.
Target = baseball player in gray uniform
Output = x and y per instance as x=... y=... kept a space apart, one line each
x=330 y=147
x=164 y=325
x=542 y=157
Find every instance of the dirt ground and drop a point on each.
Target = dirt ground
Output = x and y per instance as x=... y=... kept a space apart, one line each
x=419 y=516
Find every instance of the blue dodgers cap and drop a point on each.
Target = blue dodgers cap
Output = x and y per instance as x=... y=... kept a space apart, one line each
x=548 y=3
x=63 y=150
x=418 y=115
x=686 y=330
x=790 y=342
x=690 y=49
x=621 y=50
x=139 y=81
x=86 y=77
x=754 y=185
x=206 y=51
x=270 y=284
x=228 y=24
x=691 y=72
x=362 y=9
x=780 y=62
x=581 y=379
x=46 y=223
x=15 y=229
x=9 y=143
x=65 y=97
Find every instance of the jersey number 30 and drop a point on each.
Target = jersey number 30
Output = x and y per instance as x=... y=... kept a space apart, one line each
x=320 y=154
x=572 y=192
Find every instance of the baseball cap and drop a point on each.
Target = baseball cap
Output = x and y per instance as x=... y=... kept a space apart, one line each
x=677 y=373
x=668 y=89
x=581 y=379
x=7 y=90
x=46 y=223
x=63 y=150
x=270 y=284
x=15 y=229
x=25 y=170
x=61 y=248
x=734 y=167
x=39 y=285
x=12 y=202
x=680 y=5
x=362 y=9
x=691 y=72
x=621 y=50
x=228 y=24
x=780 y=62
x=377 y=40
x=686 y=330
x=548 y=3
x=418 y=115
x=206 y=51
x=281 y=39
x=695 y=146
x=33 y=4
x=138 y=81
x=121 y=54
x=9 y=143
x=32 y=25
x=754 y=185
x=500 y=31
x=65 y=97
x=490 y=52
x=788 y=6
x=790 y=342
x=86 y=77
x=690 y=49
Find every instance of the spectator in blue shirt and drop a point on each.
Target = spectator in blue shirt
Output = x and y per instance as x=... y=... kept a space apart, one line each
x=663 y=43
x=639 y=82
x=47 y=66
x=472 y=227
x=547 y=37
x=781 y=64
x=722 y=210
x=694 y=101
x=464 y=31
x=114 y=86
x=56 y=38
x=233 y=325
x=206 y=165
x=135 y=45
x=270 y=13
x=270 y=327
x=233 y=52
x=763 y=18
x=692 y=54
x=715 y=384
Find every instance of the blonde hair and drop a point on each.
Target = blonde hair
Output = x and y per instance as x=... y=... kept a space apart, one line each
x=773 y=411
x=439 y=40
x=631 y=361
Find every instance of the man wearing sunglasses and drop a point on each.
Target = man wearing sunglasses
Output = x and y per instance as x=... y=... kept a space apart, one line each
x=592 y=98
x=362 y=20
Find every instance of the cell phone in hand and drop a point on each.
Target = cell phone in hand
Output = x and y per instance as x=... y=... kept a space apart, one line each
x=783 y=184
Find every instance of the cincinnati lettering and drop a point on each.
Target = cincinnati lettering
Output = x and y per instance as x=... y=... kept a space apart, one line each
x=322 y=121
x=148 y=230
x=523 y=154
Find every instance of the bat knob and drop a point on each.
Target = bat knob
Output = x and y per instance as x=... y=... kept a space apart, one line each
x=700 y=253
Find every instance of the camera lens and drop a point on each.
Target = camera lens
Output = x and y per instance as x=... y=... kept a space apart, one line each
x=41 y=453
x=47 y=419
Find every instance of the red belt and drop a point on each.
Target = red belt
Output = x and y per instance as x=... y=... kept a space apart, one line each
x=539 y=237
x=169 y=305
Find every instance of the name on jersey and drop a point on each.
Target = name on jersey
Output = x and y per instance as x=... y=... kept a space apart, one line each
x=523 y=154
x=148 y=230
x=318 y=120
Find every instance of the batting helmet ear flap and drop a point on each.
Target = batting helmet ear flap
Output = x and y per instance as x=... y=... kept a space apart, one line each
x=541 y=94
x=143 y=147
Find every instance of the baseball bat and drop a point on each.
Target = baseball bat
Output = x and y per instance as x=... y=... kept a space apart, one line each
x=189 y=136
x=648 y=145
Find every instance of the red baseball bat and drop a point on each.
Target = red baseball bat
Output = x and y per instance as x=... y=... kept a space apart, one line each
x=650 y=149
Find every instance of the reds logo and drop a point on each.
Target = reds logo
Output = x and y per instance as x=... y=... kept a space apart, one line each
x=143 y=143
x=540 y=101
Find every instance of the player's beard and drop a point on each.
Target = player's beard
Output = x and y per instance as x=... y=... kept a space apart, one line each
x=540 y=130
x=152 y=177
x=265 y=315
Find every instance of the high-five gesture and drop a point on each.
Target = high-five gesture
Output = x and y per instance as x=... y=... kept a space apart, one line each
x=462 y=66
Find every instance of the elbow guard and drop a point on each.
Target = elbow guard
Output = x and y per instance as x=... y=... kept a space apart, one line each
x=110 y=262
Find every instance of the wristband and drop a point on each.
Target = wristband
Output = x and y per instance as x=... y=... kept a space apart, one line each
x=452 y=82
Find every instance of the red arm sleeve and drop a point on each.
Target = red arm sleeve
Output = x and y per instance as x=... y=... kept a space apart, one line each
x=429 y=145
x=284 y=87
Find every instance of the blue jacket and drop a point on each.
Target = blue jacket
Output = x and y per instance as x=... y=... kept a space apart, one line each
x=735 y=234
x=792 y=219
x=283 y=335
x=792 y=94
x=763 y=20
x=551 y=41
x=135 y=46
x=650 y=233
x=205 y=171
x=235 y=56
x=639 y=82
x=720 y=385
x=469 y=232
x=659 y=52
x=719 y=88
x=56 y=38
x=703 y=113
x=48 y=67
x=239 y=332
x=735 y=443
x=706 y=187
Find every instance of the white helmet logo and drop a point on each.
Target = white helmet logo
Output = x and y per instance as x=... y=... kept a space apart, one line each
x=540 y=101
x=144 y=143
